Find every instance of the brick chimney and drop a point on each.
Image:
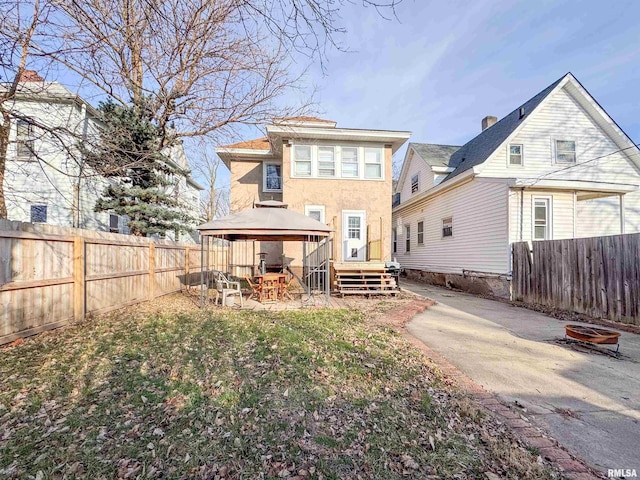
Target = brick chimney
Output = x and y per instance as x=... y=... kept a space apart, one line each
x=30 y=76
x=488 y=121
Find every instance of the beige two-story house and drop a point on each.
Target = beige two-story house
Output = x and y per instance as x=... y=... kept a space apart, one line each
x=340 y=176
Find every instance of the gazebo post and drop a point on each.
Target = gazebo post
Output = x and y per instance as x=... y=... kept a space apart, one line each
x=327 y=271
x=202 y=237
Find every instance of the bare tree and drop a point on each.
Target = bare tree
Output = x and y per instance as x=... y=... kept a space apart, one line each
x=201 y=67
x=215 y=198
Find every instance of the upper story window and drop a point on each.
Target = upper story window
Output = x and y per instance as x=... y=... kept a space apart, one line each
x=350 y=162
x=326 y=161
x=447 y=227
x=337 y=161
x=302 y=160
x=272 y=177
x=515 y=154
x=565 y=151
x=372 y=162
x=415 y=183
x=38 y=214
x=24 y=140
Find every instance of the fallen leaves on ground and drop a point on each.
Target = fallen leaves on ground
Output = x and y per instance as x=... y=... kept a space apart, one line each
x=168 y=390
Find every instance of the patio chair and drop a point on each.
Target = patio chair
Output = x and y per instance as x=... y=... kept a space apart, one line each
x=226 y=288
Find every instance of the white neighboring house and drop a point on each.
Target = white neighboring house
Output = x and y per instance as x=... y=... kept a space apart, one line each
x=556 y=167
x=46 y=180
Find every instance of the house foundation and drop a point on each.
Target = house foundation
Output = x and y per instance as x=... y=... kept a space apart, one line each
x=496 y=286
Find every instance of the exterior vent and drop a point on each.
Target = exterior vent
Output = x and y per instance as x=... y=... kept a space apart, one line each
x=522 y=112
x=488 y=121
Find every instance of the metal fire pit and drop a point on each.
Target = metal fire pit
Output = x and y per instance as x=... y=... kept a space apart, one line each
x=599 y=336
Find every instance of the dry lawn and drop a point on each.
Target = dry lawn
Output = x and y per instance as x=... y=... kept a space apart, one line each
x=168 y=391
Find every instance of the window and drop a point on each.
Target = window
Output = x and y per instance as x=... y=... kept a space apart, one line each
x=372 y=163
x=415 y=183
x=272 y=177
x=38 y=214
x=541 y=216
x=302 y=160
x=420 y=233
x=315 y=211
x=565 y=151
x=350 y=162
x=407 y=242
x=447 y=227
x=24 y=140
x=113 y=223
x=326 y=162
x=353 y=227
x=394 y=239
x=515 y=154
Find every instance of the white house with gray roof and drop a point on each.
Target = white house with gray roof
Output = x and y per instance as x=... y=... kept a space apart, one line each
x=556 y=167
x=46 y=180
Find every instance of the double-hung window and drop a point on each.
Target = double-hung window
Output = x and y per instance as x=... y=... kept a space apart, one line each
x=326 y=162
x=515 y=155
x=372 y=162
x=447 y=227
x=565 y=151
x=272 y=177
x=407 y=244
x=350 y=162
x=415 y=183
x=302 y=160
x=542 y=219
x=24 y=140
x=420 y=233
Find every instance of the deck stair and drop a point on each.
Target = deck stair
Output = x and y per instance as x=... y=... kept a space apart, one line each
x=363 y=278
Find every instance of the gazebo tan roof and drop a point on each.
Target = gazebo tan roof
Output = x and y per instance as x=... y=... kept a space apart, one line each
x=266 y=223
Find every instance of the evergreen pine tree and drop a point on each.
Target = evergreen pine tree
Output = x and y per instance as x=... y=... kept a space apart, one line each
x=130 y=152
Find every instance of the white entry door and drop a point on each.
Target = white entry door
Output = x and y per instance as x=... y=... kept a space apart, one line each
x=354 y=236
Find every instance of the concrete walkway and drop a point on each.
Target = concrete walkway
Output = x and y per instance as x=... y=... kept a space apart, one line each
x=588 y=401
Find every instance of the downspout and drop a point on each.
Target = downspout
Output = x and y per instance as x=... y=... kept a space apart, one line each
x=521 y=214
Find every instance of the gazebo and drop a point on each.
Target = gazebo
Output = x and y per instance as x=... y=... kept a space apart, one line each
x=268 y=221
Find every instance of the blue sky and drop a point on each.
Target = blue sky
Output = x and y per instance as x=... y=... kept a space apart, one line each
x=444 y=65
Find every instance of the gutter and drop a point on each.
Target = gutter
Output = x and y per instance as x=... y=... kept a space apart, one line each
x=443 y=187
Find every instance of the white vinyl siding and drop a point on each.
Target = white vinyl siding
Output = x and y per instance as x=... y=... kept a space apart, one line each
x=480 y=241
x=563 y=118
x=597 y=217
x=521 y=214
x=419 y=167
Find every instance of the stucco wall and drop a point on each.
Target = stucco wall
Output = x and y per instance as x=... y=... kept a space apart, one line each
x=372 y=196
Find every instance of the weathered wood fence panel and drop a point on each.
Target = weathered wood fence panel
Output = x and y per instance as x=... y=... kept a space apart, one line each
x=597 y=276
x=50 y=275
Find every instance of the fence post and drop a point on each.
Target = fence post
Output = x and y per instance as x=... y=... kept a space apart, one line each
x=79 y=260
x=152 y=270
x=187 y=280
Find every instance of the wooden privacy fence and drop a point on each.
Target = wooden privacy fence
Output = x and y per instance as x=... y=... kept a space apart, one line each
x=51 y=275
x=597 y=276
